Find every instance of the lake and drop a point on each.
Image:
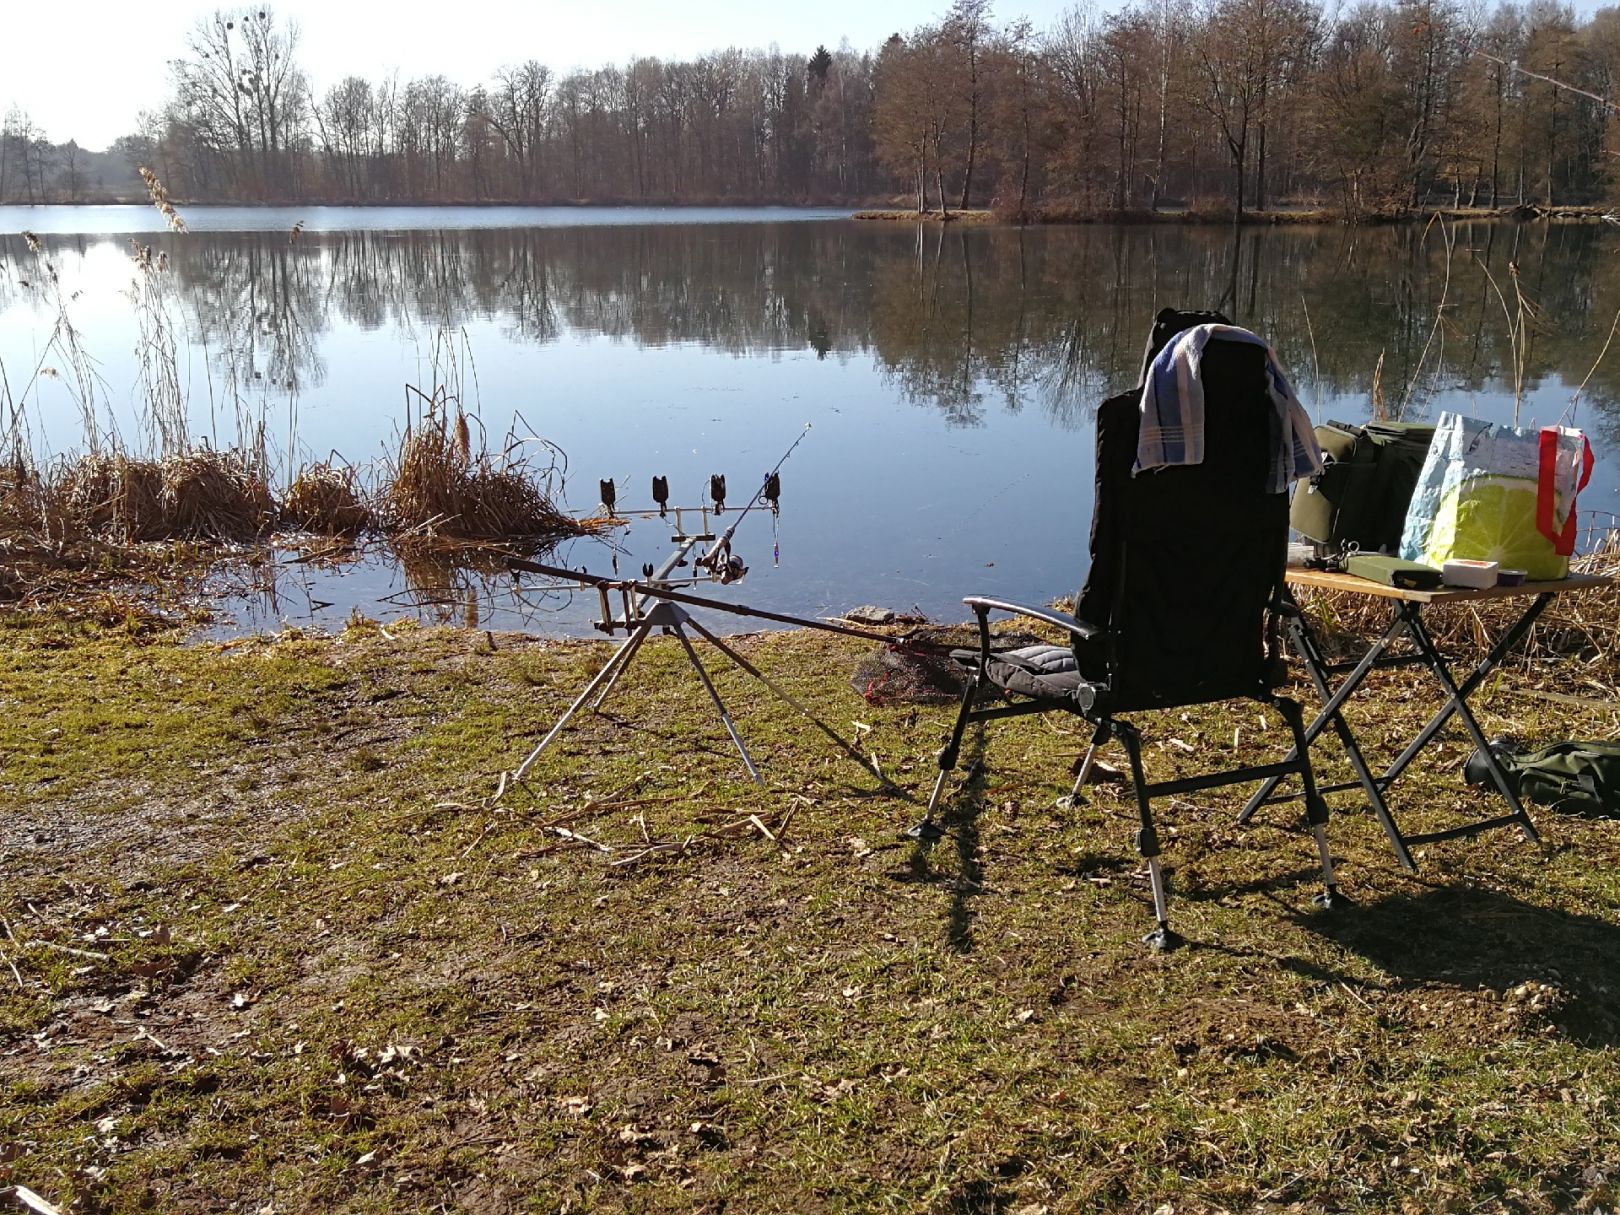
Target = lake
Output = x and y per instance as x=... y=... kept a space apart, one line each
x=948 y=373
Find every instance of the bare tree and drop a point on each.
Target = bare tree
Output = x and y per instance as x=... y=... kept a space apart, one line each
x=965 y=32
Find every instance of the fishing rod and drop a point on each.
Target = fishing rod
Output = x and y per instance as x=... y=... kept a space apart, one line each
x=770 y=488
x=657 y=590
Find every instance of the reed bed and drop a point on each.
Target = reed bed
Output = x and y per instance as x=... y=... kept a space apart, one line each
x=325 y=498
x=210 y=495
x=113 y=496
x=200 y=495
x=30 y=508
x=437 y=488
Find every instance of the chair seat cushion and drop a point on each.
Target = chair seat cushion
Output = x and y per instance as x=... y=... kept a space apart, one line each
x=1044 y=672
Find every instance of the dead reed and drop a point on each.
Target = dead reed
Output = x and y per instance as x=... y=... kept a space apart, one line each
x=200 y=495
x=29 y=507
x=113 y=496
x=437 y=488
x=324 y=498
x=209 y=495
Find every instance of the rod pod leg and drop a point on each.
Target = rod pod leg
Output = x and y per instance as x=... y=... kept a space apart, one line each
x=719 y=705
x=609 y=672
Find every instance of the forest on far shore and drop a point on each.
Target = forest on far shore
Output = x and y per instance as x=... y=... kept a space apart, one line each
x=1226 y=106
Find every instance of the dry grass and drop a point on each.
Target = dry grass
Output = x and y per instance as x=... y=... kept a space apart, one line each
x=210 y=495
x=438 y=488
x=202 y=495
x=321 y=972
x=114 y=496
x=1583 y=626
x=29 y=509
x=324 y=498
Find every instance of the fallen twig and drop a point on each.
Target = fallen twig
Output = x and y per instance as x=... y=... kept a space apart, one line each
x=467 y=851
x=78 y=953
x=584 y=839
x=651 y=850
x=162 y=1046
x=524 y=854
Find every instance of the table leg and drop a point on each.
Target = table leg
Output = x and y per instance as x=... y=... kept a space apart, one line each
x=1498 y=652
x=1330 y=710
x=1305 y=642
x=1458 y=704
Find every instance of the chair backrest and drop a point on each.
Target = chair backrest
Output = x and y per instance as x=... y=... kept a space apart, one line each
x=1167 y=324
x=1187 y=560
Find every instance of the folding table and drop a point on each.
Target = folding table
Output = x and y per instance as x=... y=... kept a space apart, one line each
x=1407 y=622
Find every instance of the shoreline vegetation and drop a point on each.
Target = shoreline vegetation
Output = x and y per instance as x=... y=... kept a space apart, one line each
x=1045 y=216
x=83 y=521
x=1049 y=215
x=91 y=522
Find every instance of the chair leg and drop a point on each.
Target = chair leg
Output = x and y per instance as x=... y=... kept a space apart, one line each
x=1098 y=738
x=928 y=831
x=1316 y=807
x=1162 y=938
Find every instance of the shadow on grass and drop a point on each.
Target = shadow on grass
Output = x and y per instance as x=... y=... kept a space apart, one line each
x=1468 y=936
x=959 y=820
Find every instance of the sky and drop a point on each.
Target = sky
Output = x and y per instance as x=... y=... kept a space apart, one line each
x=112 y=61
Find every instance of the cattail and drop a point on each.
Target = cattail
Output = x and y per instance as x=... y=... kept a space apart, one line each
x=463 y=438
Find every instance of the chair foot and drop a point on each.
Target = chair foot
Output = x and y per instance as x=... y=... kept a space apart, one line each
x=1163 y=939
x=927 y=832
x=1331 y=899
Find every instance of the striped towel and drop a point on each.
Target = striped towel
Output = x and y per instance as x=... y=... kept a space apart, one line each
x=1172 y=430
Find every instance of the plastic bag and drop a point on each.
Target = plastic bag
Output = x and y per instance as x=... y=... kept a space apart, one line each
x=1490 y=492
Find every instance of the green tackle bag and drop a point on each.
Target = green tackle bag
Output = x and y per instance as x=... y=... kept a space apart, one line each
x=1581 y=778
x=1361 y=495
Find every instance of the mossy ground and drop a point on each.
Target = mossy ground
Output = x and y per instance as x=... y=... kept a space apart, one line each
x=265 y=948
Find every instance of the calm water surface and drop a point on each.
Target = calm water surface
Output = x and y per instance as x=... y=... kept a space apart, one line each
x=948 y=373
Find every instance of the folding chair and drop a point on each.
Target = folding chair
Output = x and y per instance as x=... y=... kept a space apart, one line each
x=1180 y=606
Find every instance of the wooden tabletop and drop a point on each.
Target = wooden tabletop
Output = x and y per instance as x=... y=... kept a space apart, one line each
x=1324 y=580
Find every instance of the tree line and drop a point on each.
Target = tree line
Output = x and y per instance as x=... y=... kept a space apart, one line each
x=1229 y=105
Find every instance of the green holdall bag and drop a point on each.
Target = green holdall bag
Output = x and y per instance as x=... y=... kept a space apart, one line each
x=1581 y=778
x=1361 y=495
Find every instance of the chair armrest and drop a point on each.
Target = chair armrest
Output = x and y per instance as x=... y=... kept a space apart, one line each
x=982 y=606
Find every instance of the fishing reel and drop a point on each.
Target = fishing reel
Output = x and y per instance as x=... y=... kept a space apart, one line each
x=722 y=564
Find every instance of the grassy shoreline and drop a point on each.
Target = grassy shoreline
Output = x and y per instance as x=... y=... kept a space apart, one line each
x=1300 y=216
x=272 y=947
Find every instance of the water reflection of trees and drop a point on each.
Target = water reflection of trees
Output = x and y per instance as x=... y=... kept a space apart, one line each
x=961 y=319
